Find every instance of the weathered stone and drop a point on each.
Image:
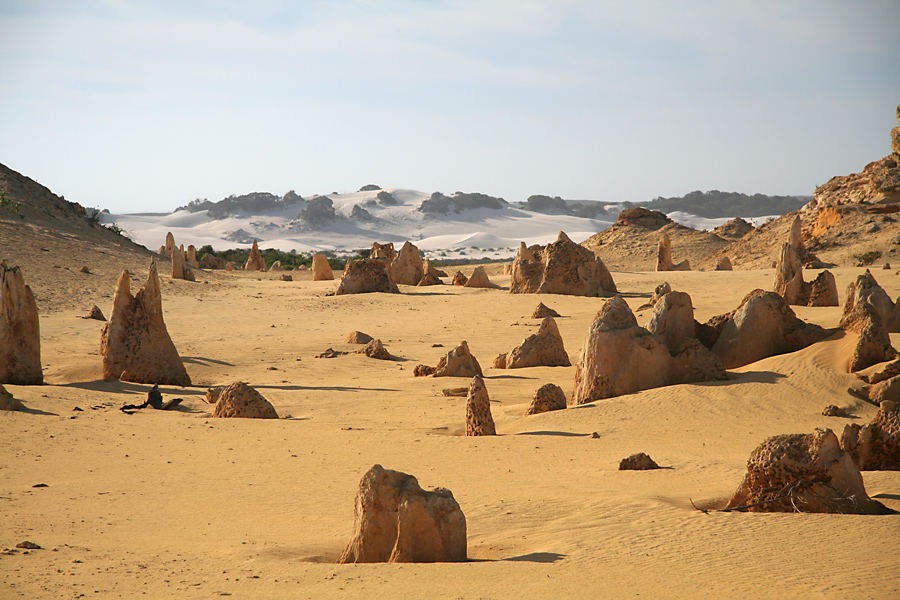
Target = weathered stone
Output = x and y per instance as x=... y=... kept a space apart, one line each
x=478 y=409
x=886 y=390
x=255 y=261
x=375 y=349
x=383 y=251
x=431 y=269
x=213 y=393
x=407 y=268
x=789 y=276
x=672 y=319
x=321 y=269
x=876 y=446
x=429 y=279
x=479 y=279
x=7 y=402
x=366 y=276
x=276 y=266
x=180 y=270
x=562 y=267
x=170 y=245
x=823 y=290
x=638 y=462
x=803 y=473
x=20 y=336
x=542 y=311
x=541 y=349
x=724 y=264
x=547 y=397
x=664 y=256
x=358 y=337
x=869 y=312
x=95 y=313
x=395 y=520
x=459 y=278
x=211 y=261
x=459 y=362
x=191 y=256
x=833 y=410
x=135 y=344
x=286 y=277
x=239 y=400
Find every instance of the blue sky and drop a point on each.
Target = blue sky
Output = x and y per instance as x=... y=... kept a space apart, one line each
x=144 y=106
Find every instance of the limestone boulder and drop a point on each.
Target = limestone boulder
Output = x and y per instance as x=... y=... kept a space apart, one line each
x=180 y=269
x=459 y=362
x=383 y=251
x=866 y=299
x=255 y=261
x=543 y=311
x=395 y=520
x=823 y=290
x=478 y=409
x=459 y=278
x=407 y=268
x=562 y=267
x=876 y=446
x=548 y=397
x=375 y=349
x=191 y=256
x=724 y=264
x=664 y=256
x=429 y=279
x=638 y=462
x=479 y=279
x=542 y=349
x=135 y=344
x=321 y=269
x=213 y=393
x=789 y=276
x=803 y=473
x=95 y=313
x=431 y=269
x=672 y=319
x=358 y=337
x=366 y=276
x=241 y=401
x=170 y=246
x=7 y=402
x=20 y=336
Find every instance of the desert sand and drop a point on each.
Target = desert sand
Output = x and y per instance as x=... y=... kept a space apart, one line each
x=179 y=504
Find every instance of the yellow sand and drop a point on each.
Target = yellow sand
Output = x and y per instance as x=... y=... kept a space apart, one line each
x=180 y=505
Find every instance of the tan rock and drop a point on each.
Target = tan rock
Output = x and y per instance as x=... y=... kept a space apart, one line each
x=876 y=446
x=460 y=278
x=543 y=311
x=286 y=277
x=365 y=276
x=478 y=409
x=886 y=390
x=431 y=269
x=397 y=521
x=276 y=266
x=383 y=251
x=213 y=393
x=170 y=244
x=638 y=462
x=724 y=264
x=407 y=268
x=823 y=290
x=664 y=256
x=134 y=344
x=239 y=400
x=375 y=349
x=803 y=473
x=429 y=279
x=229 y=266
x=255 y=261
x=321 y=268
x=672 y=319
x=562 y=267
x=542 y=349
x=459 y=362
x=191 y=256
x=547 y=397
x=479 y=279
x=20 y=335
x=358 y=337
x=869 y=312
x=7 y=402
x=179 y=269
x=95 y=313
x=789 y=276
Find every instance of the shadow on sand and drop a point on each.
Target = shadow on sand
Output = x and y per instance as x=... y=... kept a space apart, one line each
x=205 y=361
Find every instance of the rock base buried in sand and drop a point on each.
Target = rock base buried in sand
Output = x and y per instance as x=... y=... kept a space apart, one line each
x=548 y=397
x=358 y=337
x=367 y=276
x=542 y=311
x=562 y=267
x=321 y=268
x=638 y=462
x=20 y=337
x=407 y=267
x=803 y=473
x=876 y=446
x=395 y=520
x=479 y=279
x=460 y=278
x=95 y=313
x=664 y=257
x=375 y=349
x=239 y=400
x=459 y=362
x=255 y=261
x=478 y=409
x=542 y=349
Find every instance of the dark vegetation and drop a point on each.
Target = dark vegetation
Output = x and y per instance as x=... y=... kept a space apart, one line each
x=252 y=203
x=713 y=204
x=438 y=203
x=289 y=260
x=867 y=258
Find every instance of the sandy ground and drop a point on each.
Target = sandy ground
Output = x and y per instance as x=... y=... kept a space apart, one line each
x=177 y=504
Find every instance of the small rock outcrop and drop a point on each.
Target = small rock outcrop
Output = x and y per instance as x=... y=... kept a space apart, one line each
x=789 y=282
x=664 y=256
x=803 y=473
x=478 y=409
x=562 y=267
x=763 y=325
x=180 y=269
x=619 y=357
x=241 y=401
x=7 y=402
x=869 y=313
x=358 y=337
x=170 y=246
x=724 y=264
x=407 y=268
x=638 y=462
x=876 y=446
x=366 y=276
x=20 y=335
x=213 y=393
x=383 y=251
x=460 y=278
x=541 y=349
x=375 y=349
x=321 y=269
x=255 y=261
x=191 y=256
x=429 y=279
x=547 y=397
x=397 y=521
x=479 y=279
x=134 y=344
x=95 y=313
x=459 y=362
x=543 y=311
x=672 y=319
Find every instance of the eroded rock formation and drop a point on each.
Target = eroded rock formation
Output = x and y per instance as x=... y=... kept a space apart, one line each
x=366 y=276
x=375 y=349
x=664 y=256
x=789 y=282
x=255 y=261
x=383 y=251
x=672 y=319
x=548 y=397
x=724 y=264
x=395 y=520
x=321 y=269
x=803 y=473
x=459 y=362
x=562 y=267
x=358 y=337
x=478 y=409
x=95 y=313
x=134 y=344
x=460 y=278
x=638 y=462
x=20 y=336
x=541 y=349
x=181 y=270
x=869 y=313
x=876 y=446
x=407 y=268
x=543 y=311
x=479 y=279
x=239 y=400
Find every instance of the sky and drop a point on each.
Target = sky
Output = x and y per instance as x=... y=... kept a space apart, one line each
x=144 y=106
